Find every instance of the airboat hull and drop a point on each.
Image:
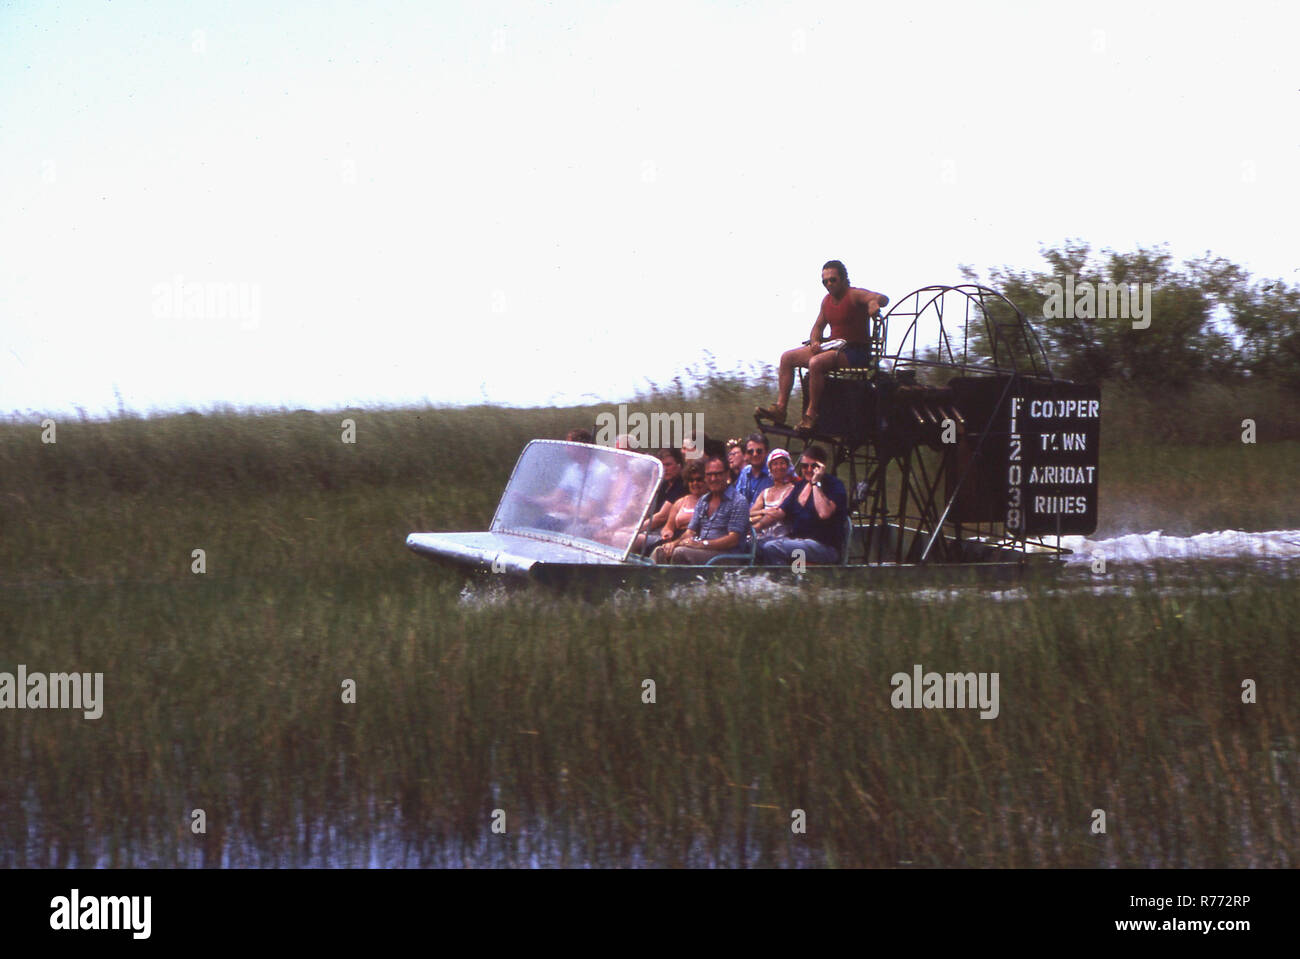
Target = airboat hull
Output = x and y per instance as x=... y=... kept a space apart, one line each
x=604 y=579
x=509 y=557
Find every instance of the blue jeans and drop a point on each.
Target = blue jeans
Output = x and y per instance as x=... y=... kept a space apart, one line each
x=779 y=552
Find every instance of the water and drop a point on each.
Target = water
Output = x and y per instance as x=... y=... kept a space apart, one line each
x=1132 y=560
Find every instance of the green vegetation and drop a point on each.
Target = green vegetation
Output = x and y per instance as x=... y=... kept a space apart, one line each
x=1209 y=320
x=222 y=691
x=225 y=695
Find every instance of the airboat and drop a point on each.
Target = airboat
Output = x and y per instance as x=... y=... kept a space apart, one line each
x=966 y=459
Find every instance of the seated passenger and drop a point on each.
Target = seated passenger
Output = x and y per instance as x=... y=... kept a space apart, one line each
x=671 y=489
x=735 y=458
x=574 y=502
x=813 y=512
x=754 y=478
x=765 y=515
x=684 y=510
x=623 y=512
x=720 y=523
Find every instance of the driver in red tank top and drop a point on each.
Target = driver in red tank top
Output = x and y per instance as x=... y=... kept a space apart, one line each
x=849 y=316
x=848 y=310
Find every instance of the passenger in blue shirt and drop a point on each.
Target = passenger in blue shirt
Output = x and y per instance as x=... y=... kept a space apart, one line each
x=720 y=524
x=813 y=514
x=754 y=478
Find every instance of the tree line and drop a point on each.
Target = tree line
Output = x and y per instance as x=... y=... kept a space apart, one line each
x=1208 y=318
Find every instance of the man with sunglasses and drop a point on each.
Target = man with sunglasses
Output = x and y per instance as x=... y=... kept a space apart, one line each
x=848 y=310
x=720 y=523
x=754 y=478
x=813 y=513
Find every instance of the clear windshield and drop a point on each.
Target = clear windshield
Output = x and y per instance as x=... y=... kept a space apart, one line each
x=592 y=497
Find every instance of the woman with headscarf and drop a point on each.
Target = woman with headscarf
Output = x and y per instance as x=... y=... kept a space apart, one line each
x=765 y=515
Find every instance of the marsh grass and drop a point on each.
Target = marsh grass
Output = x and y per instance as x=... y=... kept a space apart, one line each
x=223 y=690
x=226 y=696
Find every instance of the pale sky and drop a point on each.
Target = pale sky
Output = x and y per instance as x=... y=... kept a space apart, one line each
x=547 y=203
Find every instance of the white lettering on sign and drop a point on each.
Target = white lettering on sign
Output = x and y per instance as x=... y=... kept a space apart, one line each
x=1061 y=504
x=1064 y=409
x=1015 y=515
x=1082 y=475
x=1059 y=426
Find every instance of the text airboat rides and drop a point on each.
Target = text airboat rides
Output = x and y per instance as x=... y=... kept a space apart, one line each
x=1052 y=454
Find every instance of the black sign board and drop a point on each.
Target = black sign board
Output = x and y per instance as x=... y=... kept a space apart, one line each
x=1053 y=439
